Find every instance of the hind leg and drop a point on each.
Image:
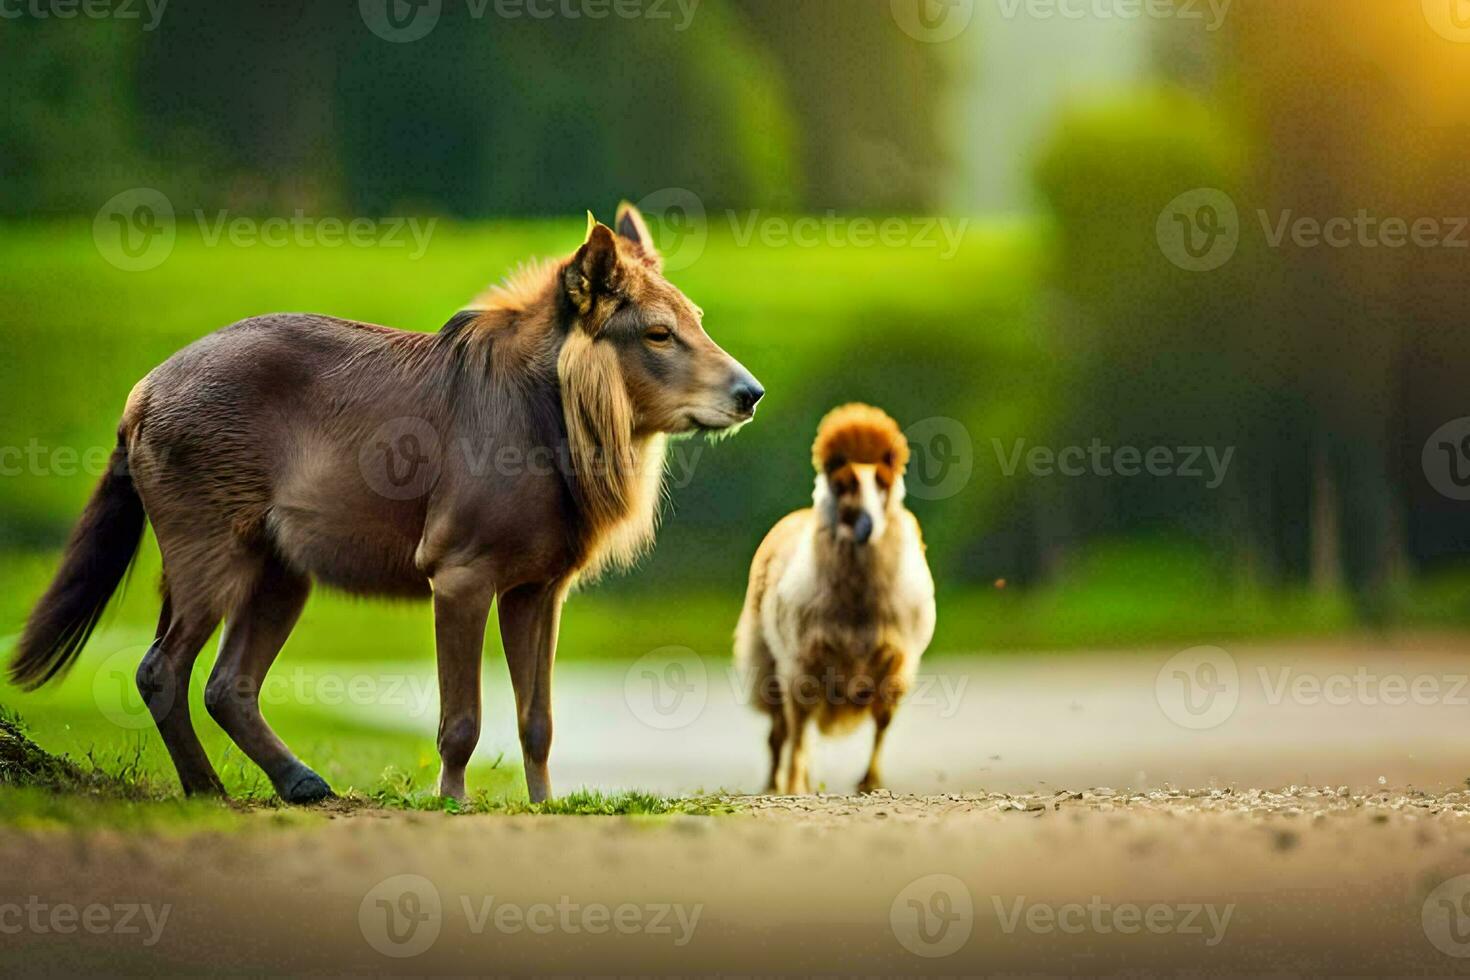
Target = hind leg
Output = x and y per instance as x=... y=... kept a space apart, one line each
x=253 y=637
x=163 y=680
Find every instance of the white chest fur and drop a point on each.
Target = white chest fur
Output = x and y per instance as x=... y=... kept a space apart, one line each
x=813 y=601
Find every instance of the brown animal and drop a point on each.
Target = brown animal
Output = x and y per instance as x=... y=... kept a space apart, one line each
x=500 y=460
x=840 y=604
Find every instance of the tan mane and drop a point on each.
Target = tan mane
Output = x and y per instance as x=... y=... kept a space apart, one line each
x=520 y=290
x=619 y=475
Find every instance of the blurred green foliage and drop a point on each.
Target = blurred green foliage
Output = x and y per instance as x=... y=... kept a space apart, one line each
x=265 y=107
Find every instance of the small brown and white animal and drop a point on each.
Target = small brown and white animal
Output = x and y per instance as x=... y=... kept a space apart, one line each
x=840 y=604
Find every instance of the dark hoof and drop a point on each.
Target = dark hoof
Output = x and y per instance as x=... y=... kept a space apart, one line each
x=307 y=787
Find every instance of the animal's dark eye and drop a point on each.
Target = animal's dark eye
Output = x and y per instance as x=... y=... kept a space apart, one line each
x=658 y=335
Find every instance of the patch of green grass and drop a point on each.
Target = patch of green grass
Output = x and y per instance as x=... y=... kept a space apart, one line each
x=35 y=808
x=399 y=790
x=587 y=802
x=40 y=791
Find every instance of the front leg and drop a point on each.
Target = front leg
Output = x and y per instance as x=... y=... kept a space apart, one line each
x=891 y=688
x=462 y=598
x=797 y=713
x=529 y=618
x=882 y=716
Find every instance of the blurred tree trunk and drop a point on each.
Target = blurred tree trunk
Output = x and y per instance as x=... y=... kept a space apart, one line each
x=1326 y=555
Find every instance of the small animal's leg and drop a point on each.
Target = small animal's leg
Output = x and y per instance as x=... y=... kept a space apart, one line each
x=252 y=639
x=777 y=743
x=163 y=681
x=890 y=689
x=882 y=717
x=798 y=714
x=529 y=618
x=462 y=599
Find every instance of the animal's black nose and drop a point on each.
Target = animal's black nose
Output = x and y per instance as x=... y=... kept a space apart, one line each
x=747 y=393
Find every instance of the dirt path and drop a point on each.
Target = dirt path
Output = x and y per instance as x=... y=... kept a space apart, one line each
x=1305 y=881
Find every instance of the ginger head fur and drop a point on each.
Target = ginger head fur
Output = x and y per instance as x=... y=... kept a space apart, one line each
x=860 y=455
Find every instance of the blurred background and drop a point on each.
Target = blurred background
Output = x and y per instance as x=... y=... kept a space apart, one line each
x=1170 y=296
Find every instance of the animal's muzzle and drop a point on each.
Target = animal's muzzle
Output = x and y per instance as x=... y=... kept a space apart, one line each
x=745 y=392
x=861 y=524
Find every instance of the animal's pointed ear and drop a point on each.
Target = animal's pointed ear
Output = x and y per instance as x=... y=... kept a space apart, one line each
x=594 y=271
x=630 y=225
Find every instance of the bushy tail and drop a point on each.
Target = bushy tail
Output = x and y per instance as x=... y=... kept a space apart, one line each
x=96 y=560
